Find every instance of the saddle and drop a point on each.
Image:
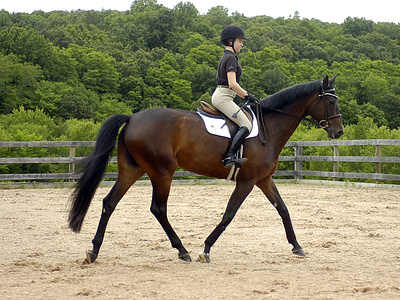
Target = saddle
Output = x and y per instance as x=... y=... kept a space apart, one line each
x=211 y=110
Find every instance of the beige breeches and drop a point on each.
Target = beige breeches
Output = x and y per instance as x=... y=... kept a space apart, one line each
x=222 y=99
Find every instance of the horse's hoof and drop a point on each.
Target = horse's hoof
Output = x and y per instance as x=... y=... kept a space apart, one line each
x=204 y=257
x=185 y=257
x=298 y=251
x=90 y=257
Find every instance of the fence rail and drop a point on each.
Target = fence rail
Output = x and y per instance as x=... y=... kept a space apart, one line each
x=297 y=173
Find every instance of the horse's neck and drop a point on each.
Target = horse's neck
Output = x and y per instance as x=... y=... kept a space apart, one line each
x=283 y=125
x=282 y=132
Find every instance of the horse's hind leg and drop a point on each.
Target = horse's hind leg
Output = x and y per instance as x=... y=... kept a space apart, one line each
x=269 y=189
x=161 y=188
x=128 y=173
x=119 y=189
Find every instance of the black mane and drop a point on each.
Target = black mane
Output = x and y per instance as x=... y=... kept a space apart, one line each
x=289 y=95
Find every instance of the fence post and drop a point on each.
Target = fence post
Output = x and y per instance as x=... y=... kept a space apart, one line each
x=298 y=163
x=71 y=164
x=378 y=165
x=335 y=162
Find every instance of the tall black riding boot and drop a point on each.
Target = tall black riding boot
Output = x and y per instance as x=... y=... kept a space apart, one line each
x=230 y=156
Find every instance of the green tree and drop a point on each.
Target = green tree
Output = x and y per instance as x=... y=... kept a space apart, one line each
x=193 y=41
x=5 y=19
x=357 y=26
x=48 y=96
x=28 y=125
x=30 y=47
x=158 y=22
x=79 y=130
x=17 y=83
x=96 y=70
x=203 y=80
x=108 y=107
x=205 y=54
x=186 y=15
x=218 y=15
x=79 y=103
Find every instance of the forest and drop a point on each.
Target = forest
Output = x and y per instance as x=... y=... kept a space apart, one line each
x=63 y=73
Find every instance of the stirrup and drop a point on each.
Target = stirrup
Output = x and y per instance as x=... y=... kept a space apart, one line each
x=232 y=160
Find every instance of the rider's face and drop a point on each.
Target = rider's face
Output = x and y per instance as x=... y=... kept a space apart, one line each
x=238 y=44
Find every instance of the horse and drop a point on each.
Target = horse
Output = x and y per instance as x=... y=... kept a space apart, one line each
x=158 y=140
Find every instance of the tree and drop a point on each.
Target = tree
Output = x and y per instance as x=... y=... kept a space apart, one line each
x=357 y=26
x=158 y=22
x=218 y=15
x=274 y=80
x=80 y=103
x=79 y=130
x=17 y=83
x=203 y=80
x=186 y=15
x=5 y=19
x=205 y=54
x=108 y=107
x=373 y=89
x=96 y=70
x=193 y=41
x=30 y=47
x=48 y=96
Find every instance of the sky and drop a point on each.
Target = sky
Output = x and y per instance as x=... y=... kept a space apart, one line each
x=334 y=11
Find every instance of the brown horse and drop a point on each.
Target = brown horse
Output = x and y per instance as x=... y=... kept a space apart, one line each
x=157 y=141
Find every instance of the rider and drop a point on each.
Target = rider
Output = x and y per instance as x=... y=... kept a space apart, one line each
x=228 y=78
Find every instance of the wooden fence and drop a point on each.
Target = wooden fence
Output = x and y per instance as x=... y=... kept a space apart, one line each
x=297 y=158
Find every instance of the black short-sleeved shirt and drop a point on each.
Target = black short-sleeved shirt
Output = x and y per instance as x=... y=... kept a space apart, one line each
x=228 y=62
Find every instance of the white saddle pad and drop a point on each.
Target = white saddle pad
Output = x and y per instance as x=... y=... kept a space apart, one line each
x=219 y=127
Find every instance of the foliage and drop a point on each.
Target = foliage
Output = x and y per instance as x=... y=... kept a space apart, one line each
x=73 y=64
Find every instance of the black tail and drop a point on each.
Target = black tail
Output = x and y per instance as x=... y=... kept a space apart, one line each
x=93 y=170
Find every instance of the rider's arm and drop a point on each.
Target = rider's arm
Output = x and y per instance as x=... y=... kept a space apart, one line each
x=235 y=86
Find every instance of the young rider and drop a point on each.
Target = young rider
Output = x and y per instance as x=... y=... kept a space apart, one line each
x=228 y=78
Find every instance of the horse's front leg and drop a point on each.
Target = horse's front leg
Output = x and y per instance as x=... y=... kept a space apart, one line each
x=270 y=190
x=239 y=194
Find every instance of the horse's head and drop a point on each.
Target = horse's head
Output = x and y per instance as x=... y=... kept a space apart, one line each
x=326 y=110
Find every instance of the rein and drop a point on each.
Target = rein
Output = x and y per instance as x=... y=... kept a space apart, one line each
x=261 y=125
x=323 y=123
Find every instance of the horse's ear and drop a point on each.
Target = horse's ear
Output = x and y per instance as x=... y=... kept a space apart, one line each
x=325 y=82
x=332 y=80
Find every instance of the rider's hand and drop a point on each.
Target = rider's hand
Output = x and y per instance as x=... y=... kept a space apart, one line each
x=251 y=98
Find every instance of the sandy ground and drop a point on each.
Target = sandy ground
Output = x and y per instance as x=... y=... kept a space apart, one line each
x=350 y=235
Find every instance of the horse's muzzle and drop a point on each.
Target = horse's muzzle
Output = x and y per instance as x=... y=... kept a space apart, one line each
x=334 y=133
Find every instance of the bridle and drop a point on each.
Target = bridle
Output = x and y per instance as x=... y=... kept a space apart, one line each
x=322 y=95
x=324 y=124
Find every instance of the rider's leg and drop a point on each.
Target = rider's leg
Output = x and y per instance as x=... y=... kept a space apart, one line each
x=222 y=99
x=230 y=156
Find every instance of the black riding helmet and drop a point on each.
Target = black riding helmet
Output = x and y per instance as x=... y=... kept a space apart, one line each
x=231 y=32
